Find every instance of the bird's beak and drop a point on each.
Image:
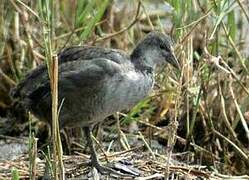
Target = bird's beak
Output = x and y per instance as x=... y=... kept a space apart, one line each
x=173 y=60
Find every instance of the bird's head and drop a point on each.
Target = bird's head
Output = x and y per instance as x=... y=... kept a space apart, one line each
x=155 y=49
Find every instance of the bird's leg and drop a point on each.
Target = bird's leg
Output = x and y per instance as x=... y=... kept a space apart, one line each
x=94 y=159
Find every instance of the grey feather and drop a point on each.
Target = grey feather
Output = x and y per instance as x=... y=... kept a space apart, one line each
x=95 y=82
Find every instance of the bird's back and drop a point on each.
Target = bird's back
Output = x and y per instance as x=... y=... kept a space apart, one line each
x=92 y=52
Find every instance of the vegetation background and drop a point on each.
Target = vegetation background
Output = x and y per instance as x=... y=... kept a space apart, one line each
x=200 y=113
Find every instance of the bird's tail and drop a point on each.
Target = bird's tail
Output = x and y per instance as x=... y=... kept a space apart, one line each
x=16 y=112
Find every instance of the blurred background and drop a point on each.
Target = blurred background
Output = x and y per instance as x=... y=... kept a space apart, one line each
x=200 y=114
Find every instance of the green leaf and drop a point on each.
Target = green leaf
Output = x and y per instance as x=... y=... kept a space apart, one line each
x=14 y=174
x=100 y=12
x=82 y=12
x=137 y=109
x=231 y=24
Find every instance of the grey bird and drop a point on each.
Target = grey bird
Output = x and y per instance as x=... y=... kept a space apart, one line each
x=94 y=83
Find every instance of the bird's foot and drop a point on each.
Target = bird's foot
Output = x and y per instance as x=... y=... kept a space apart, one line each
x=105 y=170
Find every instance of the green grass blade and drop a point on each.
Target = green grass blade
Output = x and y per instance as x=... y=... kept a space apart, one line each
x=94 y=20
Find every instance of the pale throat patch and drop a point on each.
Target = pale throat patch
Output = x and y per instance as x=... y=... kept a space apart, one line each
x=132 y=75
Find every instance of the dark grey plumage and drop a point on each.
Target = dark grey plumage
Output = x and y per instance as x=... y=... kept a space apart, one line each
x=96 y=82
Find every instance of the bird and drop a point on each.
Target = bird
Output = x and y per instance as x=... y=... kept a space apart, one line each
x=94 y=83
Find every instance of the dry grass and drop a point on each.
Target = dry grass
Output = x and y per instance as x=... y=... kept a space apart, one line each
x=202 y=110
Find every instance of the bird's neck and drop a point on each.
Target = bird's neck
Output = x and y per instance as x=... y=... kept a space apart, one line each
x=142 y=67
x=142 y=61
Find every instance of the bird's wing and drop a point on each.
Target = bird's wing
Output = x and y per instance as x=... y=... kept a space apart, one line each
x=88 y=73
x=78 y=81
x=81 y=75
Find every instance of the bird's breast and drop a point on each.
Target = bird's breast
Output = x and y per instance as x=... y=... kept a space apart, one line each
x=127 y=90
x=133 y=76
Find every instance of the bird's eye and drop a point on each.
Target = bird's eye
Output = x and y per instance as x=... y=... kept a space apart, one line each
x=162 y=46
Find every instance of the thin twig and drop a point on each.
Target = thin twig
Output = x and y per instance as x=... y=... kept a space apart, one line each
x=182 y=41
x=147 y=16
x=124 y=29
x=243 y=121
x=234 y=47
x=33 y=157
x=243 y=9
x=147 y=145
x=225 y=114
x=7 y=78
x=242 y=154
